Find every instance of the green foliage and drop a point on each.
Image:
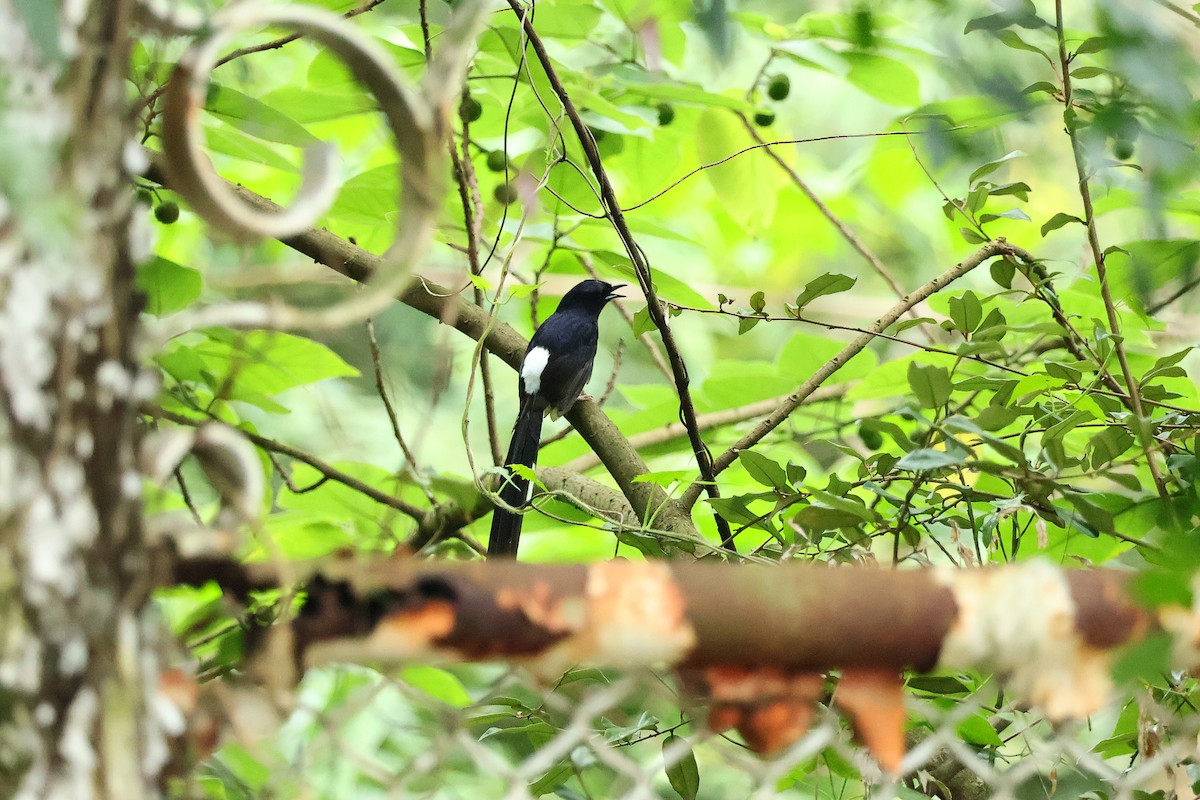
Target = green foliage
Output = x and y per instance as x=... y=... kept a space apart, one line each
x=991 y=423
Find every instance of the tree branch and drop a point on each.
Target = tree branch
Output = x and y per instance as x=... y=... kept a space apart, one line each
x=793 y=400
x=445 y=305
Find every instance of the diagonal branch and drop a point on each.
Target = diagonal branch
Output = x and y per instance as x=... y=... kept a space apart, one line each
x=608 y=195
x=796 y=398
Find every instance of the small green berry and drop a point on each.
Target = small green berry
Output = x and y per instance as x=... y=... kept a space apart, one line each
x=1122 y=149
x=779 y=87
x=470 y=109
x=764 y=118
x=497 y=161
x=167 y=212
x=666 y=114
x=505 y=193
x=145 y=197
x=872 y=438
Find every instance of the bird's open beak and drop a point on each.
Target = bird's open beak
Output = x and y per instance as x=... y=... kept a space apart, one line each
x=613 y=294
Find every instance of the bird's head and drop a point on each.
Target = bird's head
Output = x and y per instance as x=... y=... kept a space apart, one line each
x=590 y=294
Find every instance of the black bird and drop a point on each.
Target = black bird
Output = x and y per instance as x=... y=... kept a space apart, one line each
x=556 y=367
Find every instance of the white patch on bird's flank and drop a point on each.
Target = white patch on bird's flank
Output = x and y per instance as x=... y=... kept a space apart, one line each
x=531 y=369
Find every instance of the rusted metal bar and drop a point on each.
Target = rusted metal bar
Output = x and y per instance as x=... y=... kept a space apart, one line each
x=753 y=641
x=802 y=618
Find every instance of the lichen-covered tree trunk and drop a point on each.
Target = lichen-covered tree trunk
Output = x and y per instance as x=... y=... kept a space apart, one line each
x=77 y=665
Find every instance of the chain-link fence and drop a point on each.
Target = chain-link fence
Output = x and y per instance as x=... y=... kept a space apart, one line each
x=490 y=731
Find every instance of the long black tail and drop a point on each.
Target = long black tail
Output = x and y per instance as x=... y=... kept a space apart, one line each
x=506 y=526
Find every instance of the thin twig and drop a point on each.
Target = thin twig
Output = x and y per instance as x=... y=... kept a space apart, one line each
x=687 y=410
x=286 y=477
x=187 y=496
x=468 y=193
x=857 y=244
x=762 y=144
x=381 y=390
x=1093 y=236
x=273 y=44
x=328 y=470
x=1183 y=12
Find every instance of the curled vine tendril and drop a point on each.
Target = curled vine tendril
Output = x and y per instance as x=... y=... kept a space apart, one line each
x=418 y=116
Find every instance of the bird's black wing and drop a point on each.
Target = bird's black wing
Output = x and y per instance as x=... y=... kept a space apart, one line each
x=571 y=342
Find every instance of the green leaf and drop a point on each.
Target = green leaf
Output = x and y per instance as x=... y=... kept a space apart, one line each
x=927 y=459
x=643 y=322
x=1018 y=189
x=438 y=684
x=746 y=324
x=256 y=118
x=829 y=283
x=1146 y=660
x=271 y=362
x=1108 y=445
x=850 y=504
x=1057 y=221
x=887 y=80
x=1010 y=38
x=552 y=778
x=966 y=311
x=931 y=385
x=684 y=775
x=994 y=418
x=905 y=324
x=992 y=166
x=168 y=286
x=758 y=301
x=1012 y=213
x=1095 y=44
x=764 y=470
x=1040 y=86
x=736 y=509
x=306 y=105
x=1003 y=271
x=1063 y=371
x=614 y=733
x=1088 y=72
x=977 y=730
x=820 y=518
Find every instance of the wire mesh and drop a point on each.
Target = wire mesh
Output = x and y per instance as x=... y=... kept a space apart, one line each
x=490 y=731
